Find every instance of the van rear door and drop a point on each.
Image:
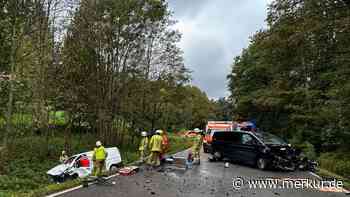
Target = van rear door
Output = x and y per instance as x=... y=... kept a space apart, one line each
x=247 y=150
x=113 y=157
x=232 y=146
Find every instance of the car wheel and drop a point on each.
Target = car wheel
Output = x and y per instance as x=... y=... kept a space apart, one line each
x=75 y=176
x=113 y=169
x=218 y=156
x=261 y=163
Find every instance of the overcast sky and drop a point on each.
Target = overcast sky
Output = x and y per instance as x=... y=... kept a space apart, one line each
x=214 y=32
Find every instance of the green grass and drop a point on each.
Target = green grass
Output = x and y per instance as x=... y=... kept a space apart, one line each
x=335 y=165
x=327 y=174
x=179 y=143
x=336 y=162
x=55 y=118
x=45 y=190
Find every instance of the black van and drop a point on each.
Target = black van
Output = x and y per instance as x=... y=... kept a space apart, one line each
x=259 y=149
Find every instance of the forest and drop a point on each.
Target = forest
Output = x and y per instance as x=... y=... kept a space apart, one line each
x=293 y=79
x=74 y=72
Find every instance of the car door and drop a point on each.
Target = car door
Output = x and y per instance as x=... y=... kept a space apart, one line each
x=247 y=150
x=232 y=146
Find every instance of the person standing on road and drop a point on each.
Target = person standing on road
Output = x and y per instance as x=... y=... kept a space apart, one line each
x=143 y=145
x=156 y=148
x=165 y=145
x=99 y=158
x=197 y=144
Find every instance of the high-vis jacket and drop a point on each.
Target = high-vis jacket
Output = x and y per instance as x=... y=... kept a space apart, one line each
x=100 y=153
x=143 y=143
x=197 y=144
x=156 y=143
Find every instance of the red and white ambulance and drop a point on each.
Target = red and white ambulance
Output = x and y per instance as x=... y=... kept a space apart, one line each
x=210 y=129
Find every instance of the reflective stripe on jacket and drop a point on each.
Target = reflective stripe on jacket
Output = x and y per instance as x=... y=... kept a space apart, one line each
x=143 y=143
x=197 y=144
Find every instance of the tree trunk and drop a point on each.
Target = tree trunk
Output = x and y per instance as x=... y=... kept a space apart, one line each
x=11 y=81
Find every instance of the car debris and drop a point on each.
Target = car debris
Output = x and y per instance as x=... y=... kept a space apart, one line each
x=128 y=171
x=227 y=165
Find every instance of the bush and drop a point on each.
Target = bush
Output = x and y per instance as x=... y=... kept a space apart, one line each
x=335 y=162
x=307 y=148
x=8 y=183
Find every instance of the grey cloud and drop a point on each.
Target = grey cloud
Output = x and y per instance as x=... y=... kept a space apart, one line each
x=187 y=8
x=213 y=33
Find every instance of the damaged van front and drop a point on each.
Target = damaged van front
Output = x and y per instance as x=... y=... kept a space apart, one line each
x=72 y=168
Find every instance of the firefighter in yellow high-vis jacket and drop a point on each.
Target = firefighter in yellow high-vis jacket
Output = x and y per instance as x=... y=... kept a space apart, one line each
x=156 y=149
x=99 y=157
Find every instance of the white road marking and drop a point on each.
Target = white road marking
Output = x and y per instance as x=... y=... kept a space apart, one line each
x=315 y=175
x=65 y=191
x=78 y=187
x=330 y=189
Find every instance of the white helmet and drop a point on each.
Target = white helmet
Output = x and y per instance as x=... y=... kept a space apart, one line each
x=143 y=133
x=63 y=152
x=159 y=132
x=98 y=143
x=197 y=130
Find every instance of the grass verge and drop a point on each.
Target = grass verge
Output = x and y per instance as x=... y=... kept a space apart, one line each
x=327 y=174
x=23 y=175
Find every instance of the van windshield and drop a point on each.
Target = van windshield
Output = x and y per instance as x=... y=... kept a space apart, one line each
x=70 y=160
x=228 y=136
x=269 y=138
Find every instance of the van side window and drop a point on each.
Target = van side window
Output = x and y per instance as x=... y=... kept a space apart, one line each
x=235 y=138
x=247 y=139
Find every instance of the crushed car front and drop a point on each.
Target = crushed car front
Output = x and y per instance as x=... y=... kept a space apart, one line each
x=281 y=154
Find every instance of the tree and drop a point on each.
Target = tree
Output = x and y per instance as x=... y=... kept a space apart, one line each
x=291 y=75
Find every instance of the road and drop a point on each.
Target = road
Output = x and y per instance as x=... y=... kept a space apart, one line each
x=210 y=179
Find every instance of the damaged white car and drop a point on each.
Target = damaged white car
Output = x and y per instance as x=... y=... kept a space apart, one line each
x=81 y=165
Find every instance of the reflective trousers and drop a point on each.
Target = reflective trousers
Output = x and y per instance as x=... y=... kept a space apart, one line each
x=154 y=158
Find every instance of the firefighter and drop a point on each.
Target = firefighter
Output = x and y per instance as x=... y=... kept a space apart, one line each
x=63 y=157
x=143 y=145
x=99 y=159
x=197 y=144
x=156 y=148
x=165 y=145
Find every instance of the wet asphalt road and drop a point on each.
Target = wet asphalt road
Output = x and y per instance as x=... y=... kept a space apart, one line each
x=210 y=179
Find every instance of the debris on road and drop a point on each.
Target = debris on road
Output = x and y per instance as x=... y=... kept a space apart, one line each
x=179 y=162
x=128 y=171
x=169 y=160
x=148 y=181
x=227 y=165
